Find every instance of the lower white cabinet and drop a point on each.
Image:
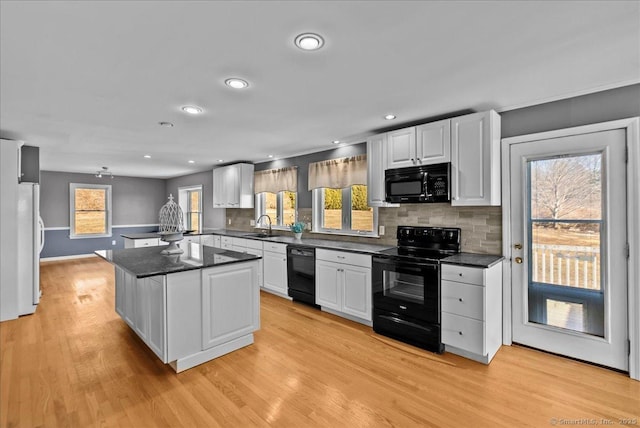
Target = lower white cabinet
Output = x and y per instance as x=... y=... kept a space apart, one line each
x=209 y=240
x=144 y=242
x=230 y=304
x=471 y=304
x=274 y=258
x=187 y=318
x=343 y=284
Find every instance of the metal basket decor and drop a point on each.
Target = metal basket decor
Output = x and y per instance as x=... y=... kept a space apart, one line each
x=171 y=226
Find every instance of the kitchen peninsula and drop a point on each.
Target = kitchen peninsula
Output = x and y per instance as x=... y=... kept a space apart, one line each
x=188 y=308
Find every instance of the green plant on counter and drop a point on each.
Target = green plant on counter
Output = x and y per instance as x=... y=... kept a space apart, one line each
x=297 y=227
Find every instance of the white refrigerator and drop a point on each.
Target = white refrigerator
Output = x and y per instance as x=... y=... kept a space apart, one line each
x=30 y=243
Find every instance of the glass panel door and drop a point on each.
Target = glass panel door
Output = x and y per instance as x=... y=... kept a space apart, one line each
x=565 y=225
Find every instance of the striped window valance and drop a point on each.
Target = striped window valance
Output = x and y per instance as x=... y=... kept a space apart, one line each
x=338 y=173
x=276 y=180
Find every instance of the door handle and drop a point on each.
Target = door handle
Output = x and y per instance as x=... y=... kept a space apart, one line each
x=518 y=246
x=518 y=260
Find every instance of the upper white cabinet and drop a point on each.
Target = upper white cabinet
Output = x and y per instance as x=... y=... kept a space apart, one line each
x=233 y=186
x=419 y=145
x=376 y=164
x=475 y=159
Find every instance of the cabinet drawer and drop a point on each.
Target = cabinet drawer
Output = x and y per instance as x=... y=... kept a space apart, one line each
x=363 y=260
x=207 y=240
x=463 y=299
x=466 y=274
x=149 y=242
x=194 y=239
x=275 y=248
x=239 y=242
x=254 y=243
x=226 y=242
x=462 y=332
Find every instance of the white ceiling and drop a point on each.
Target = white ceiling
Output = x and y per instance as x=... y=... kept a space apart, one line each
x=89 y=81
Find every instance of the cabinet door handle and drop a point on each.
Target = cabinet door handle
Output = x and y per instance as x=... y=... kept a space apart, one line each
x=460 y=333
x=340 y=257
x=461 y=299
x=460 y=274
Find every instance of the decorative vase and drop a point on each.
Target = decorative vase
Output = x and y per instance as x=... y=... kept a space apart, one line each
x=298 y=235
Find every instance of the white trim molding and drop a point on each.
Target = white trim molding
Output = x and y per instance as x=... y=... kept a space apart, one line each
x=632 y=129
x=75 y=256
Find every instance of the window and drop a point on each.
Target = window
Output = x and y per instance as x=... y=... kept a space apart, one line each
x=281 y=207
x=190 y=201
x=90 y=210
x=276 y=193
x=340 y=197
x=344 y=211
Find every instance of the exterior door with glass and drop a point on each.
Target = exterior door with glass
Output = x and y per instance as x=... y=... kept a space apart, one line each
x=568 y=231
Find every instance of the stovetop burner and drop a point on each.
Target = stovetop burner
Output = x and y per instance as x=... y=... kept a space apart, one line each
x=425 y=243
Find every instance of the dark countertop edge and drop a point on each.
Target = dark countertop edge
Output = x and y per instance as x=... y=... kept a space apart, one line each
x=184 y=269
x=488 y=260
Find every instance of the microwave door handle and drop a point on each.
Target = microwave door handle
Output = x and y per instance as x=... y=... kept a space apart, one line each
x=425 y=181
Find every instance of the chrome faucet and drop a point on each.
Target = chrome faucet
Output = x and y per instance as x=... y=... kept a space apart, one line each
x=260 y=218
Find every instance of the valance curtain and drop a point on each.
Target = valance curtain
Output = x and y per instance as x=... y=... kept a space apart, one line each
x=338 y=173
x=276 y=180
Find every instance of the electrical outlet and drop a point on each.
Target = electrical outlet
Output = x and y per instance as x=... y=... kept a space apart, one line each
x=381 y=230
x=252 y=222
x=113 y=242
x=229 y=221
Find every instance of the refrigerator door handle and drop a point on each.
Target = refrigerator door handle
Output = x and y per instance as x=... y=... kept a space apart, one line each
x=41 y=227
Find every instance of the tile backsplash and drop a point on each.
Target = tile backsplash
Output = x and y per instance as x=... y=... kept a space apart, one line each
x=481 y=226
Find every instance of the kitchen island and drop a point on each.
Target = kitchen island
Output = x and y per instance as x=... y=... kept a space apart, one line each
x=188 y=308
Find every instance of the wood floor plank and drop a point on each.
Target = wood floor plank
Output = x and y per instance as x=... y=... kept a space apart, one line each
x=76 y=363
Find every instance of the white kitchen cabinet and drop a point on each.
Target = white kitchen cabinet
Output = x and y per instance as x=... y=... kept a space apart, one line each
x=209 y=240
x=187 y=318
x=343 y=284
x=274 y=258
x=376 y=164
x=230 y=304
x=419 y=145
x=189 y=239
x=226 y=242
x=156 y=327
x=475 y=159
x=120 y=290
x=233 y=186
x=471 y=302
x=138 y=243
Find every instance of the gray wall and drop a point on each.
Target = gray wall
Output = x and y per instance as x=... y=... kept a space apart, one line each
x=134 y=200
x=211 y=217
x=619 y=103
x=302 y=162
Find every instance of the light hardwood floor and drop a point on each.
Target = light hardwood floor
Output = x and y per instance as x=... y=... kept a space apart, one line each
x=76 y=363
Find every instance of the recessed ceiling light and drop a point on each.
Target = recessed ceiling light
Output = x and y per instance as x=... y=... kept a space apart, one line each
x=309 y=41
x=270 y=156
x=192 y=109
x=220 y=160
x=336 y=141
x=167 y=124
x=390 y=117
x=191 y=161
x=147 y=156
x=236 y=83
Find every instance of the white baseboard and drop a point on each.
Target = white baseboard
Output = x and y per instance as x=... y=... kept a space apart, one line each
x=75 y=256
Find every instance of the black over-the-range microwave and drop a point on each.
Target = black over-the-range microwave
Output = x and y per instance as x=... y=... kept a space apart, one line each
x=425 y=183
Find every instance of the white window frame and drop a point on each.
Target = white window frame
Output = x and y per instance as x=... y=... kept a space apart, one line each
x=318 y=216
x=276 y=223
x=183 y=202
x=72 y=210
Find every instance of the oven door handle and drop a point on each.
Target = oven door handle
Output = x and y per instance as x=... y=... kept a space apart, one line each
x=413 y=266
x=405 y=322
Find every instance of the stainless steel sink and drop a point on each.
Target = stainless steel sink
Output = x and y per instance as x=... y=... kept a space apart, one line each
x=260 y=235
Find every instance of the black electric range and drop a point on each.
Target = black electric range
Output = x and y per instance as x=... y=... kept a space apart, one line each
x=406 y=285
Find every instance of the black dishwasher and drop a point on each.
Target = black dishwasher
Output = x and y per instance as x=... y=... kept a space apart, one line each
x=301 y=274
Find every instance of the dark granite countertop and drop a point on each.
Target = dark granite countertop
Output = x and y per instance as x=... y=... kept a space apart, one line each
x=147 y=235
x=472 y=259
x=328 y=244
x=148 y=261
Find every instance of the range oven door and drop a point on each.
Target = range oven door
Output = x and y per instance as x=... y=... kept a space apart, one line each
x=410 y=289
